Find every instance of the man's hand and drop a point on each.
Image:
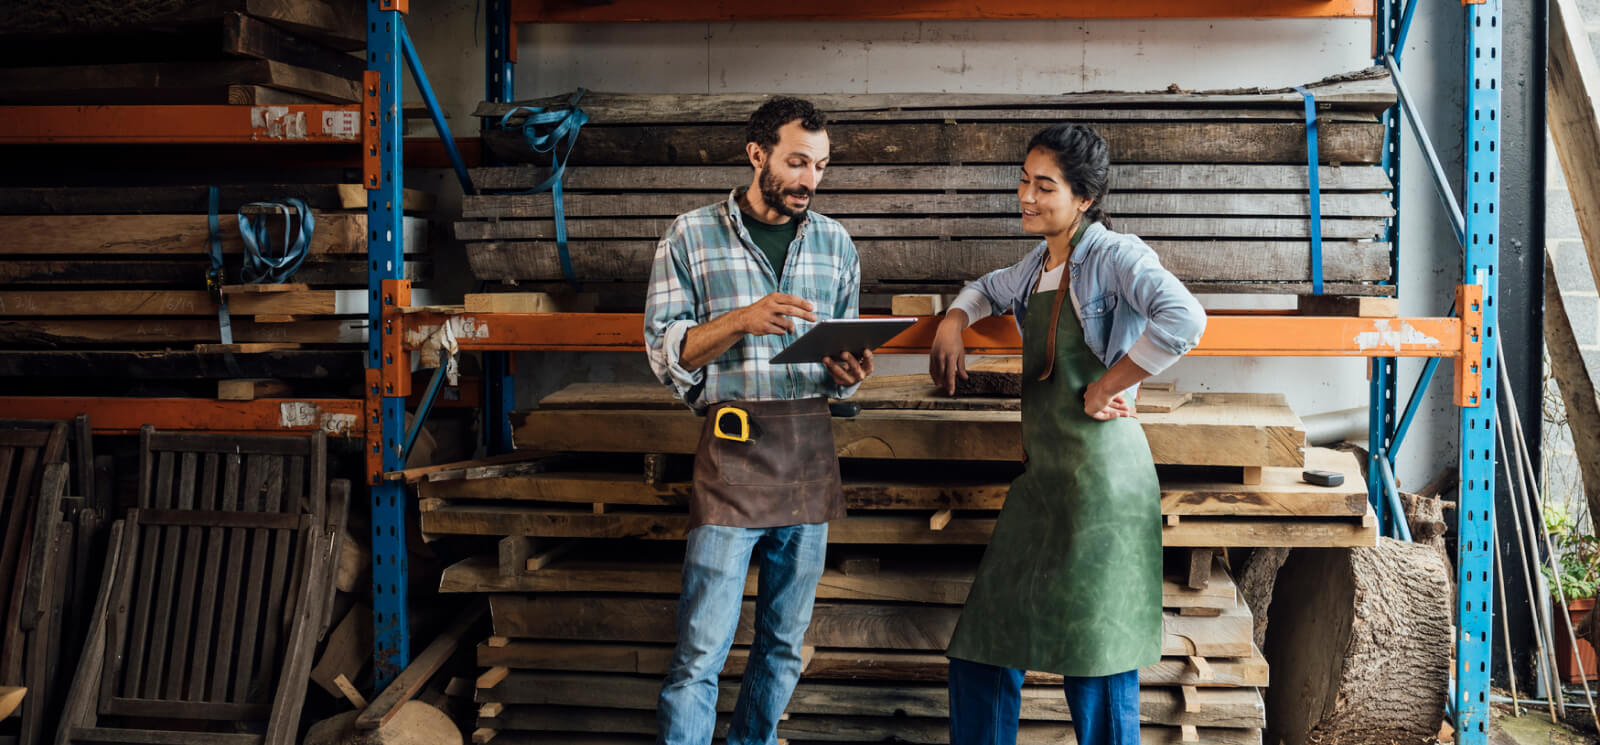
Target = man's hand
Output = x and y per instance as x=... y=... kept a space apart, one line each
x=947 y=359
x=1101 y=403
x=847 y=370
x=771 y=314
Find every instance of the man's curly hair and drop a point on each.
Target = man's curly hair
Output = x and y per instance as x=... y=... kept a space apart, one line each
x=767 y=120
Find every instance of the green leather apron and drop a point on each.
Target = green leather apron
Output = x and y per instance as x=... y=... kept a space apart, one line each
x=1071 y=580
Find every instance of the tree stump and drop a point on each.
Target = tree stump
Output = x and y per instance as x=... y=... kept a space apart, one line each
x=1359 y=646
x=1255 y=583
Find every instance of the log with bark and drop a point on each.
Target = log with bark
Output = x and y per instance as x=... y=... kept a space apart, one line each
x=1359 y=646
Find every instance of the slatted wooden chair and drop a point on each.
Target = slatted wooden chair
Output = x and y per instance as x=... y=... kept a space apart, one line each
x=212 y=611
x=26 y=447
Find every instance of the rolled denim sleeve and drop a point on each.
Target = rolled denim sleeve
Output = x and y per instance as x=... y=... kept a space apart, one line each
x=669 y=313
x=847 y=305
x=1175 y=320
x=998 y=291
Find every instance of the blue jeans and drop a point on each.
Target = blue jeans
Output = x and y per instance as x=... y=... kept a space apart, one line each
x=715 y=568
x=986 y=702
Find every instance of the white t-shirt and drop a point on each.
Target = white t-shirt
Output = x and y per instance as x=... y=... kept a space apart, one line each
x=978 y=307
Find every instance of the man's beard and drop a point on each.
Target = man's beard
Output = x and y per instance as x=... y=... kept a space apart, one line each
x=773 y=193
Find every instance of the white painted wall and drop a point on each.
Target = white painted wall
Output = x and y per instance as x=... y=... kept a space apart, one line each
x=1010 y=57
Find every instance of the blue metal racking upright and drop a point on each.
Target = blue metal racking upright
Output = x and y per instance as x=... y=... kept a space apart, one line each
x=383 y=151
x=1475 y=505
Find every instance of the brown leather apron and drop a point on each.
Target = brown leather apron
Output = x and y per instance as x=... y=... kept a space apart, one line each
x=788 y=475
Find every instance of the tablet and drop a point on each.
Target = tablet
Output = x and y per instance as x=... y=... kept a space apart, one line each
x=834 y=337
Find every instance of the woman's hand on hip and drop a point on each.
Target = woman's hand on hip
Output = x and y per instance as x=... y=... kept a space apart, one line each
x=1102 y=404
x=947 y=359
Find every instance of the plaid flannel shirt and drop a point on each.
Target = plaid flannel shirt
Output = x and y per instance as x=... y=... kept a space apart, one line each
x=707 y=265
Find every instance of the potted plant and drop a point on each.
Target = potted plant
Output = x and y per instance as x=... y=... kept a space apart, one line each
x=1578 y=567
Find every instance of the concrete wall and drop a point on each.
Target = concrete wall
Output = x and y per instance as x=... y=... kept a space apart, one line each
x=1012 y=57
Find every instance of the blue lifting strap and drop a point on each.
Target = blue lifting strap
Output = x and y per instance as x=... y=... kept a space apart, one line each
x=559 y=137
x=1316 y=189
x=214 y=275
x=260 y=268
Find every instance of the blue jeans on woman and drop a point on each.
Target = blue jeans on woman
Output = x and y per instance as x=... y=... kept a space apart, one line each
x=986 y=703
x=715 y=568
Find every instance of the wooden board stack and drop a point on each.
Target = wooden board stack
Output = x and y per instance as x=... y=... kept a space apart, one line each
x=147 y=52
x=1216 y=183
x=581 y=645
x=111 y=283
x=583 y=581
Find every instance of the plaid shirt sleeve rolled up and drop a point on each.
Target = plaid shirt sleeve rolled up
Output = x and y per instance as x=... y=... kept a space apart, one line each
x=707 y=265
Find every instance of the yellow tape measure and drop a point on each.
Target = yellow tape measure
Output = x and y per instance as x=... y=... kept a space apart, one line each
x=740 y=417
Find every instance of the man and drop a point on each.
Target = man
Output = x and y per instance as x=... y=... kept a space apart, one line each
x=733 y=284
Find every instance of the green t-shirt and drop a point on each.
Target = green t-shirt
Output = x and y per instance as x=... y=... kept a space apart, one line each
x=773 y=240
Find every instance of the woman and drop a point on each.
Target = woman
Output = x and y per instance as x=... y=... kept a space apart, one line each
x=1071 y=580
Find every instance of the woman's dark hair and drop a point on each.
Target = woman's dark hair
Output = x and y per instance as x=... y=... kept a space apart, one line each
x=767 y=120
x=1085 y=161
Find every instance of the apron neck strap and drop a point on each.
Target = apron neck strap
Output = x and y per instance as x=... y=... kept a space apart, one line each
x=1062 y=292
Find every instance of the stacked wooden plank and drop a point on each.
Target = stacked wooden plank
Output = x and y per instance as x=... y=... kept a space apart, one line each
x=111 y=283
x=581 y=645
x=163 y=52
x=583 y=581
x=214 y=595
x=1216 y=183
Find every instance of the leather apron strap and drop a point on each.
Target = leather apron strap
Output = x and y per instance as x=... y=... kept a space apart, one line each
x=1055 y=308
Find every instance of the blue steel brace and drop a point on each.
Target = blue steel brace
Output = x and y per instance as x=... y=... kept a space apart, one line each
x=1382 y=371
x=1316 y=189
x=1475 y=526
x=391 y=627
x=499 y=389
x=435 y=111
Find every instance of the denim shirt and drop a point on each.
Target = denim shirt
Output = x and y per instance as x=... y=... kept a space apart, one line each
x=1131 y=305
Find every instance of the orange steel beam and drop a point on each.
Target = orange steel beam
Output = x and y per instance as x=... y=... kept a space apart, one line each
x=582 y=11
x=318 y=123
x=1226 y=335
x=339 y=417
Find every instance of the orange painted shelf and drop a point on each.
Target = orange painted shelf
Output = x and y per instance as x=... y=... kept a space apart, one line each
x=1226 y=335
x=580 y=11
x=225 y=124
x=339 y=417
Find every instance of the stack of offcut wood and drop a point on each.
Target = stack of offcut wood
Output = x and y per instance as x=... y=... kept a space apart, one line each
x=111 y=283
x=181 y=52
x=583 y=585
x=1218 y=184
